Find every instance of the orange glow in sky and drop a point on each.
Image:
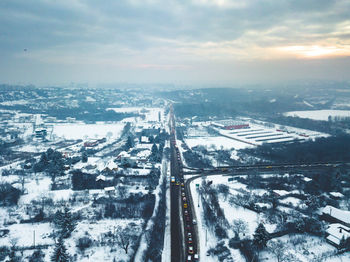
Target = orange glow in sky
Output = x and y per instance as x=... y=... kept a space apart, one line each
x=316 y=51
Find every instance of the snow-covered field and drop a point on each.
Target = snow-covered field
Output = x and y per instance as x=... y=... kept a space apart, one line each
x=24 y=234
x=216 y=142
x=88 y=131
x=151 y=113
x=319 y=114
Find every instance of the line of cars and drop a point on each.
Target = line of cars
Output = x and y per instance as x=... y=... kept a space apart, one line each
x=187 y=216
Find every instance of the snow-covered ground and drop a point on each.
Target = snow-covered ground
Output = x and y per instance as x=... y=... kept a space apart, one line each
x=319 y=114
x=216 y=142
x=88 y=131
x=151 y=113
x=306 y=248
x=95 y=231
x=24 y=234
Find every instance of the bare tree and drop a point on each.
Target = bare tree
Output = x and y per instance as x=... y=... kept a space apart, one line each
x=277 y=247
x=240 y=227
x=22 y=178
x=123 y=238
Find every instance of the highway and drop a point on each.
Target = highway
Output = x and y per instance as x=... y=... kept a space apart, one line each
x=184 y=237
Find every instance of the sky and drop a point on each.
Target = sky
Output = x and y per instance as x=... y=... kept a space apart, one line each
x=202 y=42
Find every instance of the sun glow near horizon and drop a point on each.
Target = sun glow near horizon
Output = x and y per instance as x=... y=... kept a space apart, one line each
x=315 y=51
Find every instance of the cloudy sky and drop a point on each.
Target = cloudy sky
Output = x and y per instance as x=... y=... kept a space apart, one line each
x=173 y=41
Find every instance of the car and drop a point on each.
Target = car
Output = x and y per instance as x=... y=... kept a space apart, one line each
x=172 y=179
x=183 y=194
x=189 y=258
x=189 y=234
x=184 y=198
x=186 y=213
x=182 y=184
x=196 y=257
x=187 y=218
x=177 y=183
x=190 y=249
x=194 y=222
x=185 y=205
x=190 y=240
x=188 y=227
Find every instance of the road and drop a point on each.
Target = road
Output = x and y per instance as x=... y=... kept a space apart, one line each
x=184 y=240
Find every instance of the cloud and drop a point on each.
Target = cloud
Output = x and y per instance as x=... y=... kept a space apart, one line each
x=168 y=34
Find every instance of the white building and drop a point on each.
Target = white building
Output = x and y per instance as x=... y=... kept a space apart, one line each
x=336 y=232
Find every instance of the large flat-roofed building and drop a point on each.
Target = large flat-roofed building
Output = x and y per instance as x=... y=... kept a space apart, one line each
x=230 y=124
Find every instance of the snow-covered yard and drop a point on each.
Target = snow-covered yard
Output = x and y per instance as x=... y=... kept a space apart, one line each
x=88 y=131
x=215 y=143
x=306 y=248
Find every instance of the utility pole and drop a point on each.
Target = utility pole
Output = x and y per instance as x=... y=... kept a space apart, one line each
x=206 y=236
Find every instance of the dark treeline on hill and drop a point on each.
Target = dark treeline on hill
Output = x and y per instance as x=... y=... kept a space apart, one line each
x=204 y=109
x=224 y=102
x=330 y=127
x=85 y=112
x=335 y=148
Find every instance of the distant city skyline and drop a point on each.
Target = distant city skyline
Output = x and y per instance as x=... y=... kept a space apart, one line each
x=200 y=42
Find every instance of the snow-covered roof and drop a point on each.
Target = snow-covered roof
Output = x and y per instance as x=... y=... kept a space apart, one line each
x=124 y=154
x=307 y=179
x=110 y=188
x=336 y=194
x=101 y=177
x=92 y=161
x=281 y=192
x=337 y=232
x=333 y=239
x=111 y=165
x=144 y=139
x=339 y=214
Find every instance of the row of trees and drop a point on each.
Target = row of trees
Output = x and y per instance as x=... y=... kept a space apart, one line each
x=324 y=149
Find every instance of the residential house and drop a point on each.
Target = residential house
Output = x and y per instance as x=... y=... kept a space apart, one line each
x=336 y=215
x=336 y=233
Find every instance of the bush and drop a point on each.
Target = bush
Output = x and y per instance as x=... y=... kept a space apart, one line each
x=37 y=256
x=8 y=194
x=221 y=251
x=4 y=252
x=84 y=243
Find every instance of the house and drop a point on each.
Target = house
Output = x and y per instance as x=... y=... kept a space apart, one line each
x=101 y=181
x=280 y=193
x=109 y=190
x=100 y=178
x=145 y=140
x=336 y=195
x=127 y=160
x=110 y=166
x=91 y=143
x=337 y=215
x=336 y=233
